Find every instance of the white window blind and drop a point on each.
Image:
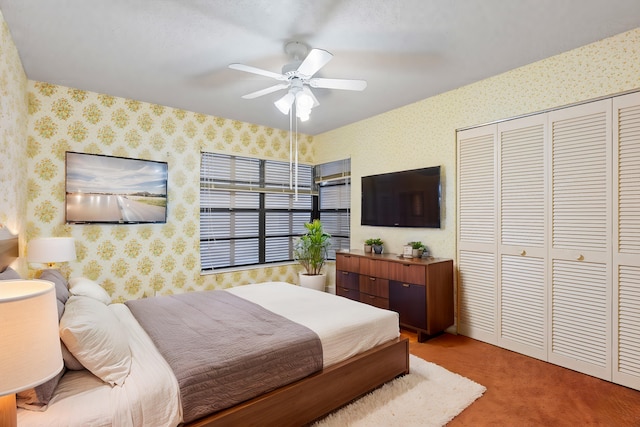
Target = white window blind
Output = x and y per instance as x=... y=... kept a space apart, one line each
x=248 y=213
x=334 y=180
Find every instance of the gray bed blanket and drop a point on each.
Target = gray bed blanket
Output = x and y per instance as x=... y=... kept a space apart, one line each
x=224 y=349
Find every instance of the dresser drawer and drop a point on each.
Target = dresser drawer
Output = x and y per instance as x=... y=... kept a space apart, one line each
x=409 y=300
x=346 y=262
x=347 y=279
x=353 y=294
x=374 y=286
x=374 y=267
x=408 y=273
x=374 y=300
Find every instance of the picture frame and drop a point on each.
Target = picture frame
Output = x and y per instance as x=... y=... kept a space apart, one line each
x=114 y=190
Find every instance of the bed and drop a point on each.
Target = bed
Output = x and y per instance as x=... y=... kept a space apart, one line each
x=361 y=350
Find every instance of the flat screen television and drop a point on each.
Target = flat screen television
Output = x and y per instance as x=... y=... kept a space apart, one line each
x=114 y=190
x=408 y=198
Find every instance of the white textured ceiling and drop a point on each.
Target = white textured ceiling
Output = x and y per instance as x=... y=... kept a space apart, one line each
x=177 y=52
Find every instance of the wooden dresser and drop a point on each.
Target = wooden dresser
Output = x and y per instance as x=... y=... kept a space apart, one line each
x=419 y=290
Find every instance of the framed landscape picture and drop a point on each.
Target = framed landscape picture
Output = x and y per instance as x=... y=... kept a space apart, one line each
x=114 y=190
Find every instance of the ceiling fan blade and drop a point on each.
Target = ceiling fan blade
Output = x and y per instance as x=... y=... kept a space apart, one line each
x=344 y=84
x=259 y=71
x=266 y=91
x=315 y=60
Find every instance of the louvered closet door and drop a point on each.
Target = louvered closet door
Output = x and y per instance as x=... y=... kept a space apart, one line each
x=626 y=252
x=580 y=227
x=521 y=248
x=477 y=280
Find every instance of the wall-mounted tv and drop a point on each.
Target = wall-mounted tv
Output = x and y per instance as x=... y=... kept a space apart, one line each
x=114 y=190
x=408 y=198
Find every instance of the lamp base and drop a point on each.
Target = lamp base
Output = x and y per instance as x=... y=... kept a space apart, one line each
x=8 y=414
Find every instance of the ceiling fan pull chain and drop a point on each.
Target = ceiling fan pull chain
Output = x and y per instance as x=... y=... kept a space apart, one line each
x=290 y=150
x=296 y=167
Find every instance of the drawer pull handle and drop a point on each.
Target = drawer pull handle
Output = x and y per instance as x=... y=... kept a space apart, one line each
x=345 y=290
x=523 y=253
x=580 y=257
x=372 y=278
x=346 y=273
x=406 y=285
x=372 y=297
x=406 y=265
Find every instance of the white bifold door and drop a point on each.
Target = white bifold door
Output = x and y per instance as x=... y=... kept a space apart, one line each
x=549 y=237
x=580 y=238
x=626 y=241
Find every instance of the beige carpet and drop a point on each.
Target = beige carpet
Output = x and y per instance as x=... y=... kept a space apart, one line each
x=428 y=396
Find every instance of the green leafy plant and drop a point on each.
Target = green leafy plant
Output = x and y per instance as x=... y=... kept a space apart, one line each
x=374 y=242
x=416 y=245
x=310 y=249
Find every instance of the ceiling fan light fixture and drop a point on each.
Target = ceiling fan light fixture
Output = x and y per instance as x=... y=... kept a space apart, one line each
x=304 y=102
x=284 y=104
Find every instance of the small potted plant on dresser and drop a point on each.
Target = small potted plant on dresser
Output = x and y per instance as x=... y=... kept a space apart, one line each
x=368 y=244
x=376 y=244
x=310 y=251
x=417 y=249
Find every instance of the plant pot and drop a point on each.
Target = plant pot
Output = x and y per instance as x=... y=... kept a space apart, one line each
x=367 y=249
x=377 y=249
x=416 y=253
x=315 y=281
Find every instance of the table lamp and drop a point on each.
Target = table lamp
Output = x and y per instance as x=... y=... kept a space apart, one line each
x=29 y=340
x=50 y=250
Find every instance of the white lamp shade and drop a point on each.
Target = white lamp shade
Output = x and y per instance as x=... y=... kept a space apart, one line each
x=29 y=336
x=284 y=104
x=51 y=249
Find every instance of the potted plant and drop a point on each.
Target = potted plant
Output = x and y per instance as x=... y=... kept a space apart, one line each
x=417 y=249
x=367 y=245
x=376 y=244
x=310 y=251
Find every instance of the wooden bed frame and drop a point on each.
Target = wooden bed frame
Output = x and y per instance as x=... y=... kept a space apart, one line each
x=317 y=395
x=311 y=398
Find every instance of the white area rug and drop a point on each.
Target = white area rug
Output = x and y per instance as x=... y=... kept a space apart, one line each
x=428 y=396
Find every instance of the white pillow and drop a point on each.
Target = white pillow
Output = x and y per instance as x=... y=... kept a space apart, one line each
x=88 y=288
x=97 y=339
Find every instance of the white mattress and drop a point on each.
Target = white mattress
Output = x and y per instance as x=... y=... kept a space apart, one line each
x=345 y=327
x=149 y=396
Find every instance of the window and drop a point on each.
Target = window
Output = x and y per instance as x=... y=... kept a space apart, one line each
x=248 y=213
x=334 y=193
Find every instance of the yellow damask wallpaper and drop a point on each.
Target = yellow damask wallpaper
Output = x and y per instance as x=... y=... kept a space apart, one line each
x=131 y=261
x=424 y=133
x=13 y=135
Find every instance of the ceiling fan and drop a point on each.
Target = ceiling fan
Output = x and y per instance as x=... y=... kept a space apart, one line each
x=297 y=76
